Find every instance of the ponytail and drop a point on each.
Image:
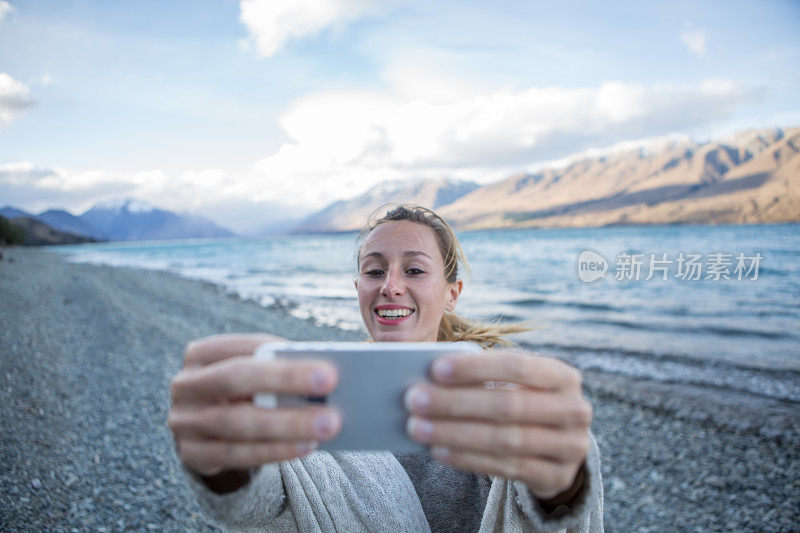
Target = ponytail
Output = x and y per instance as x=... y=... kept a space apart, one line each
x=455 y=328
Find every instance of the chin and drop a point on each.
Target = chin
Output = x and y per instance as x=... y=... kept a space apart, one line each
x=398 y=336
x=391 y=336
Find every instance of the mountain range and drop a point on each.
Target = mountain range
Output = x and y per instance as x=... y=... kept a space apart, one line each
x=122 y=220
x=750 y=177
x=32 y=232
x=349 y=215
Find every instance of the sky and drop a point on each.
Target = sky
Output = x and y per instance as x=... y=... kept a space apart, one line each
x=251 y=111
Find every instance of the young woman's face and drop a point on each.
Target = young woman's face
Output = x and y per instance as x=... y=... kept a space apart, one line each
x=402 y=290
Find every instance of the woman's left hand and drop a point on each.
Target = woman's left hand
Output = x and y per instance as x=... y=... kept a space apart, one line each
x=535 y=430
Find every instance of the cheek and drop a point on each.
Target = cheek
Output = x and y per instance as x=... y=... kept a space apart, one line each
x=435 y=297
x=365 y=292
x=361 y=293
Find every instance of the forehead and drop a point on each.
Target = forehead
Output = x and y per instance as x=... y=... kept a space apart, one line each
x=399 y=237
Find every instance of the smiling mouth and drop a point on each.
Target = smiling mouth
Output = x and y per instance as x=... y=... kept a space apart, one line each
x=393 y=314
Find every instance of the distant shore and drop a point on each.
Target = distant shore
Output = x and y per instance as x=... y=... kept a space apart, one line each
x=88 y=352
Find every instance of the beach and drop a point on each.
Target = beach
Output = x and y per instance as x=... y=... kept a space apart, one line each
x=88 y=352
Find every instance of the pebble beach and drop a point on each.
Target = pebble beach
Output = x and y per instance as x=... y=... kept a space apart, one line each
x=87 y=353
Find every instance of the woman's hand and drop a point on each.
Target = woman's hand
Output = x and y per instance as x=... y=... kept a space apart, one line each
x=535 y=430
x=214 y=422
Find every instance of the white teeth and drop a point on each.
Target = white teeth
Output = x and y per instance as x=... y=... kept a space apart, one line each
x=393 y=313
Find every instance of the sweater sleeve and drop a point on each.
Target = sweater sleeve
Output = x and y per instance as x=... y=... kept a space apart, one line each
x=250 y=508
x=583 y=514
x=511 y=507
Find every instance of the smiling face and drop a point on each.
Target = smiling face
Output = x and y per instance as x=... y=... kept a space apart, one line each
x=402 y=290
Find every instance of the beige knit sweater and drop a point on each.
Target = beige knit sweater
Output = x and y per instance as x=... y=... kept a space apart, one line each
x=372 y=491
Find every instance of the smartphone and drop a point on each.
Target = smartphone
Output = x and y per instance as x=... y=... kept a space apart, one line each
x=373 y=377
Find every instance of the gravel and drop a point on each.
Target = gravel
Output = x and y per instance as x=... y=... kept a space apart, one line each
x=88 y=352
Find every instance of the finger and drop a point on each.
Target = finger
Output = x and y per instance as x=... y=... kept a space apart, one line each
x=201 y=352
x=523 y=368
x=210 y=455
x=546 y=479
x=246 y=422
x=244 y=376
x=546 y=443
x=563 y=409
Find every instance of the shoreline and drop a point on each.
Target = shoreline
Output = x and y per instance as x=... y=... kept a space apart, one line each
x=726 y=409
x=88 y=352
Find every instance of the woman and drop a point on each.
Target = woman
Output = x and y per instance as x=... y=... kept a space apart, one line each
x=512 y=457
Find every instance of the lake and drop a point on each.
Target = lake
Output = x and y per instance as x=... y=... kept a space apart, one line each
x=721 y=307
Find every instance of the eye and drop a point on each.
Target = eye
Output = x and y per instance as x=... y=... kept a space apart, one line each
x=374 y=273
x=415 y=271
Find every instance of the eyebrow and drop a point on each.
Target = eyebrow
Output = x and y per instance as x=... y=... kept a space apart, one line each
x=409 y=253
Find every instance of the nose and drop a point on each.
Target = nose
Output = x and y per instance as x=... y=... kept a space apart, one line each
x=393 y=286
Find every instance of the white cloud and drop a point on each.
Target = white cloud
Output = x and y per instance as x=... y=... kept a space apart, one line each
x=5 y=9
x=344 y=142
x=695 y=41
x=54 y=179
x=15 y=99
x=272 y=23
x=35 y=188
x=209 y=192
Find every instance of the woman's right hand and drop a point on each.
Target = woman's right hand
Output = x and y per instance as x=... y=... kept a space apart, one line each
x=213 y=419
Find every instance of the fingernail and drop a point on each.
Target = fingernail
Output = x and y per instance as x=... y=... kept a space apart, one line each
x=324 y=424
x=442 y=370
x=417 y=399
x=440 y=453
x=319 y=380
x=419 y=428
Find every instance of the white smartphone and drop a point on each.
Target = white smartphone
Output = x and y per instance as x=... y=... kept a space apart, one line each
x=373 y=378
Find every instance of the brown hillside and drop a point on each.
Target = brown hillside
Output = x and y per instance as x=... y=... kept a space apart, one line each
x=748 y=178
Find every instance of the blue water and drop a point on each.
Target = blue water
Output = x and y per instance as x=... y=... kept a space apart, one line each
x=735 y=334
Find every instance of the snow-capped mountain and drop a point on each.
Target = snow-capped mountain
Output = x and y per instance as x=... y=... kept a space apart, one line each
x=125 y=204
x=130 y=219
x=122 y=220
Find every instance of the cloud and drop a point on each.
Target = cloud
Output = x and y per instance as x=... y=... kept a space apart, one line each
x=209 y=192
x=35 y=188
x=23 y=173
x=344 y=142
x=341 y=143
x=15 y=99
x=273 y=23
x=695 y=41
x=5 y=9
x=187 y=190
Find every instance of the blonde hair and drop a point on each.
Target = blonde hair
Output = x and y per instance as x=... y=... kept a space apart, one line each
x=452 y=327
